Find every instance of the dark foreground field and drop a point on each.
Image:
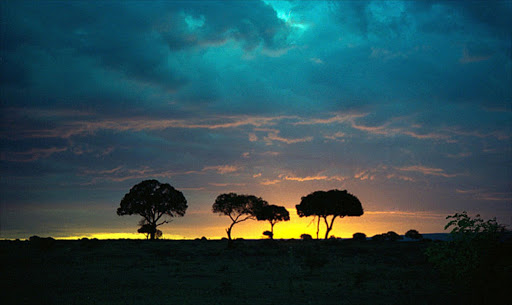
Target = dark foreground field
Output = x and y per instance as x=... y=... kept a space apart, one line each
x=208 y=272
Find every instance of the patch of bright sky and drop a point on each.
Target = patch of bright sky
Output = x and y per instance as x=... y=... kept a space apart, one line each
x=284 y=11
x=194 y=23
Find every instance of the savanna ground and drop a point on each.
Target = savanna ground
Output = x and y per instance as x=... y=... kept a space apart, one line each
x=208 y=272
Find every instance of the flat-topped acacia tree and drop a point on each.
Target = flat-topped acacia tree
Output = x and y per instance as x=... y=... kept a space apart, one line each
x=238 y=208
x=273 y=214
x=323 y=204
x=153 y=201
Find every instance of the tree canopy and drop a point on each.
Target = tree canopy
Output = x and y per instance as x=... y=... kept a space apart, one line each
x=153 y=201
x=273 y=214
x=238 y=208
x=333 y=203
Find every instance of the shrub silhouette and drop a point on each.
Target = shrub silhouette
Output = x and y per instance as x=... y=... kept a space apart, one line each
x=269 y=234
x=323 y=204
x=472 y=258
x=89 y=243
x=413 y=234
x=359 y=236
x=392 y=236
x=389 y=236
x=306 y=237
x=238 y=208
x=153 y=200
x=273 y=214
x=379 y=237
x=148 y=230
x=43 y=243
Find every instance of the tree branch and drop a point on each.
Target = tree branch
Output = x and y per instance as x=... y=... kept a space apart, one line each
x=332 y=221
x=246 y=218
x=163 y=222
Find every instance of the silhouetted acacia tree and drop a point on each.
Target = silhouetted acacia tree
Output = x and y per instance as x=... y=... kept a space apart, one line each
x=273 y=214
x=238 y=207
x=153 y=200
x=333 y=203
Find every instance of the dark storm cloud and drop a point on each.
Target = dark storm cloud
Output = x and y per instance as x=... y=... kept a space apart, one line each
x=119 y=51
x=493 y=14
x=252 y=23
x=118 y=36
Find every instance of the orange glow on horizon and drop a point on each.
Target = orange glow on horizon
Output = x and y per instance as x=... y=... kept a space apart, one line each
x=370 y=223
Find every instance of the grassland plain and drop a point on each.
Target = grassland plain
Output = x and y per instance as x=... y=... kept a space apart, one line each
x=208 y=272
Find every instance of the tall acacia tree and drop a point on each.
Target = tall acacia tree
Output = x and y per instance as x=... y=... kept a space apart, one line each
x=273 y=214
x=323 y=204
x=238 y=208
x=153 y=201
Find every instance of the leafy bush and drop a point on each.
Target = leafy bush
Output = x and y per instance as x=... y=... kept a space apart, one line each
x=359 y=236
x=469 y=258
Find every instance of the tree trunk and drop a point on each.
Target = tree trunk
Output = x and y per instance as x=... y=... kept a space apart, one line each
x=153 y=231
x=327 y=233
x=228 y=230
x=317 y=227
x=272 y=230
x=329 y=227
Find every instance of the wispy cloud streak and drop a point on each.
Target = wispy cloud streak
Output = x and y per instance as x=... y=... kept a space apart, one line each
x=426 y=171
x=31 y=155
x=78 y=128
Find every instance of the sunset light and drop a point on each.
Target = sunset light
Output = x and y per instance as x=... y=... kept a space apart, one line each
x=404 y=104
x=256 y=152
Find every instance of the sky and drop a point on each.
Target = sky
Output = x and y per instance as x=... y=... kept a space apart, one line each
x=405 y=104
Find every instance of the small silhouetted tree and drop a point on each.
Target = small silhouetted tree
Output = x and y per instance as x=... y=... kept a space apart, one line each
x=323 y=204
x=153 y=201
x=273 y=214
x=413 y=234
x=238 y=208
x=359 y=236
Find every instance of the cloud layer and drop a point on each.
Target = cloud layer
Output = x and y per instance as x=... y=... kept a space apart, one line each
x=405 y=104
